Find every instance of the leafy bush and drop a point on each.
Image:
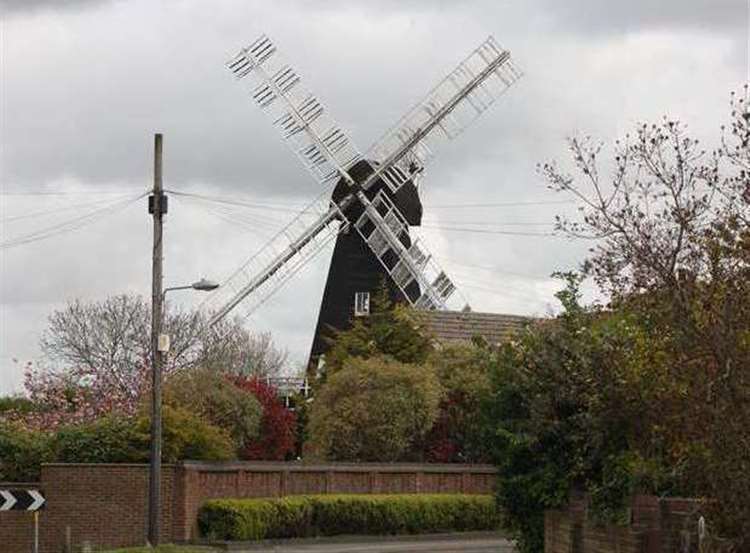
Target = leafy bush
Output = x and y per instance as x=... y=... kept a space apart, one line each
x=188 y=436
x=374 y=410
x=108 y=440
x=276 y=436
x=329 y=515
x=126 y=440
x=21 y=453
x=16 y=404
x=458 y=433
x=211 y=395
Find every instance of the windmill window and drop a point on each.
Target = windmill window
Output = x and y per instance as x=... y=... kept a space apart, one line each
x=361 y=304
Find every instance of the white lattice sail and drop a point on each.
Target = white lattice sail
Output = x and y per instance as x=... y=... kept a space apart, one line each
x=454 y=104
x=329 y=154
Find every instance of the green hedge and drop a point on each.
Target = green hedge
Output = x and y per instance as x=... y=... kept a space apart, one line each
x=328 y=515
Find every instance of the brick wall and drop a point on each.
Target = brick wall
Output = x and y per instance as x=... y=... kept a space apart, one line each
x=102 y=504
x=203 y=481
x=106 y=504
x=657 y=525
x=17 y=527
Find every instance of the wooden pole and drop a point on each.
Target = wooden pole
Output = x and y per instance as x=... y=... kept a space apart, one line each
x=36 y=531
x=157 y=208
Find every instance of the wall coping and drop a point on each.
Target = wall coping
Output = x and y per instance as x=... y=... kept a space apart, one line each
x=277 y=466
x=297 y=466
x=20 y=484
x=106 y=465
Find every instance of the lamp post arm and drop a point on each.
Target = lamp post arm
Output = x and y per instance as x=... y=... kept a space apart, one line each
x=164 y=293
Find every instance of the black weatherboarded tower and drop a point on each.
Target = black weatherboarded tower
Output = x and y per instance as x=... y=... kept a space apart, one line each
x=355 y=272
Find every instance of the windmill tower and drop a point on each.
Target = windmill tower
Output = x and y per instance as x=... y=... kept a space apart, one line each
x=375 y=195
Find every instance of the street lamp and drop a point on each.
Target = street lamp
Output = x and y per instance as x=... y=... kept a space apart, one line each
x=203 y=285
x=162 y=347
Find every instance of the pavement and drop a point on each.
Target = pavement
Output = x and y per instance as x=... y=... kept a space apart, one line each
x=480 y=542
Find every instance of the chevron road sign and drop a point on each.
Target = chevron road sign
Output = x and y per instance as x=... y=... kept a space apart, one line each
x=21 y=500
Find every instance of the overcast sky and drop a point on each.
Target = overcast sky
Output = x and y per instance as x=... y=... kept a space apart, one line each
x=85 y=86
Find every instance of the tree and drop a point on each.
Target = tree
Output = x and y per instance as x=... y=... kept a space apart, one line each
x=391 y=330
x=672 y=251
x=97 y=358
x=212 y=396
x=581 y=402
x=375 y=409
x=257 y=355
x=72 y=397
x=113 y=336
x=276 y=439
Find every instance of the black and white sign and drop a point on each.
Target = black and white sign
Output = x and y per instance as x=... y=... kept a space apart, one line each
x=21 y=500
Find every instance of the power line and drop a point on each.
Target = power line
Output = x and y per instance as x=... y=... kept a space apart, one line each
x=289 y=206
x=242 y=217
x=233 y=219
x=495 y=269
x=501 y=288
x=487 y=231
x=493 y=223
x=69 y=225
x=224 y=200
x=48 y=211
x=67 y=193
x=500 y=204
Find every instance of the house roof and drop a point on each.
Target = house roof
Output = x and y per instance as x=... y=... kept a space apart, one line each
x=451 y=326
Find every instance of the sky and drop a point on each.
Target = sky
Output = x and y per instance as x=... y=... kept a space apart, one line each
x=85 y=84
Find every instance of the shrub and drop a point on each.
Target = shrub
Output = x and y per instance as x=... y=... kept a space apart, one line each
x=211 y=395
x=464 y=373
x=188 y=436
x=22 y=452
x=374 y=410
x=126 y=440
x=107 y=440
x=329 y=515
x=16 y=404
x=110 y=439
x=276 y=439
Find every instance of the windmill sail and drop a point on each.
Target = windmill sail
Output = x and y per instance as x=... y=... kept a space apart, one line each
x=303 y=122
x=277 y=261
x=454 y=104
x=329 y=154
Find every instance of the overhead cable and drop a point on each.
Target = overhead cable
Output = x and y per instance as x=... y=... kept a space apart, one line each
x=70 y=224
x=500 y=204
x=488 y=231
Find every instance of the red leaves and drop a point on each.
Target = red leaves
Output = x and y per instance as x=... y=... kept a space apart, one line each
x=277 y=427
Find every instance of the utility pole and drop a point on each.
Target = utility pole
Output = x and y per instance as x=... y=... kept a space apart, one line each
x=157 y=206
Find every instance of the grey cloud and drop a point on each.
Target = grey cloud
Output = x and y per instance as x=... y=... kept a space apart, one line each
x=81 y=105
x=19 y=7
x=575 y=16
x=712 y=16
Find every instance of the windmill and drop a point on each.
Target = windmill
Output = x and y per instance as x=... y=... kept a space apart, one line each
x=375 y=195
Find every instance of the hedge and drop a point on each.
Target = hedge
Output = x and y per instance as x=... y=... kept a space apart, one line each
x=328 y=515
